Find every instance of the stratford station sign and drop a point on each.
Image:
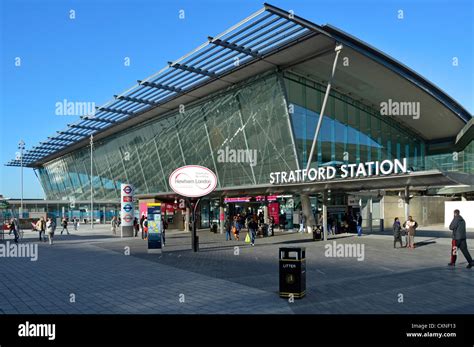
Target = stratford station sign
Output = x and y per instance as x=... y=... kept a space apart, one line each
x=326 y=173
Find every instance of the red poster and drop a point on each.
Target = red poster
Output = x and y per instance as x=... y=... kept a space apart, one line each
x=169 y=208
x=274 y=211
x=143 y=209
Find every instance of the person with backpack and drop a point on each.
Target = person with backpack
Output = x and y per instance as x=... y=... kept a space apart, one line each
x=411 y=226
x=458 y=226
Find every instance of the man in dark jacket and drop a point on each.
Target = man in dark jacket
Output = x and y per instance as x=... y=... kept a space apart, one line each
x=458 y=226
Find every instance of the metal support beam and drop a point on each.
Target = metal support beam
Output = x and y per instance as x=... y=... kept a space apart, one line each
x=160 y=86
x=337 y=49
x=114 y=110
x=87 y=127
x=69 y=133
x=53 y=147
x=97 y=119
x=235 y=47
x=44 y=145
x=192 y=69
x=61 y=138
x=138 y=100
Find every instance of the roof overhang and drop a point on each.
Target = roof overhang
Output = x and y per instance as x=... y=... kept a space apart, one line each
x=421 y=180
x=465 y=136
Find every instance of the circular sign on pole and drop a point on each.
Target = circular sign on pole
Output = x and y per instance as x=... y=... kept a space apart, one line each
x=126 y=214
x=127 y=218
x=193 y=181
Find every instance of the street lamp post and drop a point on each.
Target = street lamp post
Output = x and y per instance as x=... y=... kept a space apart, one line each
x=92 y=191
x=21 y=147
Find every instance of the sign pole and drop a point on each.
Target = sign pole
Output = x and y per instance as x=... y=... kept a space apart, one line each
x=92 y=189
x=195 y=239
x=193 y=181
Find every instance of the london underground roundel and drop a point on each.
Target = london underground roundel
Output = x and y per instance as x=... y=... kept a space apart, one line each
x=127 y=190
x=193 y=181
x=127 y=218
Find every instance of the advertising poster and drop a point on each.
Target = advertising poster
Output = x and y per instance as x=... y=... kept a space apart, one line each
x=154 y=227
x=274 y=211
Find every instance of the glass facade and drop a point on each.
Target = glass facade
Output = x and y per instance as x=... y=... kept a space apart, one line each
x=272 y=117
x=462 y=161
x=350 y=131
x=251 y=117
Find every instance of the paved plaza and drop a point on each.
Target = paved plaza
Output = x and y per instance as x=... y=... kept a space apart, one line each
x=93 y=269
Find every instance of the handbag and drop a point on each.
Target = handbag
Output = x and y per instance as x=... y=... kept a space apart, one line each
x=247 y=238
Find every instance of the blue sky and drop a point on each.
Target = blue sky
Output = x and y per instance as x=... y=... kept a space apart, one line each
x=83 y=59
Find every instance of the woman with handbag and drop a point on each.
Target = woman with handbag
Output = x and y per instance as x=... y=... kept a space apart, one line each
x=397 y=235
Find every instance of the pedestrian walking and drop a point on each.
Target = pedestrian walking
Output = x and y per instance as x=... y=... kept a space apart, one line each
x=75 y=222
x=397 y=233
x=253 y=225
x=142 y=219
x=458 y=226
x=228 y=229
x=50 y=226
x=359 y=224
x=411 y=226
x=136 y=226
x=64 y=225
x=13 y=228
x=236 y=228
x=145 y=228
x=271 y=226
x=41 y=227
x=302 y=222
x=113 y=225
x=164 y=225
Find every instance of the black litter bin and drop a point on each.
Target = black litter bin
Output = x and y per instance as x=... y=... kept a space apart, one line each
x=317 y=232
x=292 y=272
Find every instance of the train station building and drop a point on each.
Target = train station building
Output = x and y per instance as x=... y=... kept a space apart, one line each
x=247 y=104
